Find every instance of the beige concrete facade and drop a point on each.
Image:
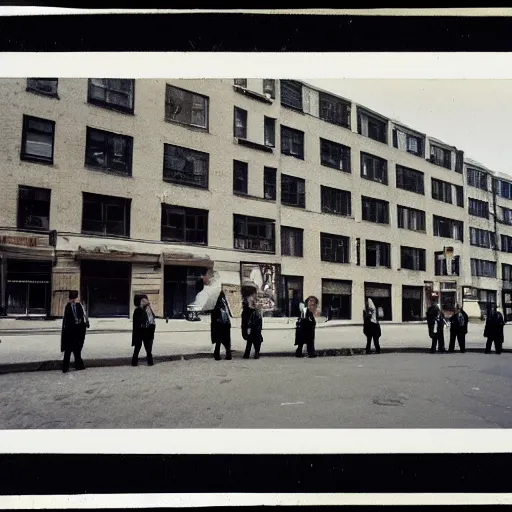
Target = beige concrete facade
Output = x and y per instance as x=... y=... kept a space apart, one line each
x=68 y=177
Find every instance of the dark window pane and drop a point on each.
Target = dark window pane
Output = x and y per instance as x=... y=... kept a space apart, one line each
x=109 y=151
x=105 y=215
x=47 y=86
x=293 y=191
x=186 y=166
x=115 y=93
x=38 y=139
x=186 y=107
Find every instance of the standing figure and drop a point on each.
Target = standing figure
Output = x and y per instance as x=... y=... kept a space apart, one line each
x=494 y=329
x=252 y=325
x=143 y=332
x=74 y=325
x=305 y=329
x=371 y=328
x=436 y=323
x=220 y=327
x=458 y=329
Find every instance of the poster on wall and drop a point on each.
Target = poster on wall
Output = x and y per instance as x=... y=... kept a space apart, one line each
x=266 y=277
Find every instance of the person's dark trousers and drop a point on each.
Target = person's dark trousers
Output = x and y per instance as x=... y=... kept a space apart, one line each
x=498 y=345
x=248 y=347
x=227 y=346
x=311 y=349
x=461 y=340
x=77 y=354
x=453 y=337
x=437 y=342
x=369 y=344
x=148 y=347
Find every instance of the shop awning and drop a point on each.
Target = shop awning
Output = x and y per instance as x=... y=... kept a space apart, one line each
x=186 y=259
x=104 y=253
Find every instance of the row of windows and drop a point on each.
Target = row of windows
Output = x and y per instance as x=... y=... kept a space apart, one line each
x=480 y=179
x=34 y=210
x=335 y=110
x=192 y=109
x=113 y=152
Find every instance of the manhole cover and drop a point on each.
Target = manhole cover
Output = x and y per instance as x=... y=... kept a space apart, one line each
x=388 y=401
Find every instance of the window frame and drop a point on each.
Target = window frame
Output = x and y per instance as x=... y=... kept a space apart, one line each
x=292 y=131
x=270 y=172
x=405 y=176
x=269 y=121
x=342 y=108
x=22 y=226
x=289 y=85
x=272 y=82
x=342 y=241
x=375 y=160
x=377 y=247
x=343 y=155
x=478 y=267
x=288 y=180
x=476 y=178
x=240 y=175
x=376 y=119
x=30 y=87
x=206 y=177
x=417 y=255
x=187 y=212
x=109 y=138
x=34 y=158
x=298 y=233
x=479 y=234
x=420 y=141
x=478 y=208
x=111 y=106
x=377 y=202
x=239 y=114
x=127 y=202
x=432 y=159
x=452 y=223
x=206 y=99
x=247 y=220
x=343 y=196
x=420 y=214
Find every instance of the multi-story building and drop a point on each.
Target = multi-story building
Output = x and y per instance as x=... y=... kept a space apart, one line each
x=117 y=187
x=490 y=234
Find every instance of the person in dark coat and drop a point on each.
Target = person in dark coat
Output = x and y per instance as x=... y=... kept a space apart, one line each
x=74 y=326
x=458 y=329
x=143 y=332
x=305 y=328
x=494 y=329
x=371 y=327
x=436 y=323
x=252 y=325
x=220 y=327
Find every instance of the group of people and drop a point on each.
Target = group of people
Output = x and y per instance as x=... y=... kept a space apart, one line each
x=458 y=327
x=75 y=323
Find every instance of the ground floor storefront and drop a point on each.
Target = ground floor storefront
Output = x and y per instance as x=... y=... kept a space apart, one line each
x=35 y=280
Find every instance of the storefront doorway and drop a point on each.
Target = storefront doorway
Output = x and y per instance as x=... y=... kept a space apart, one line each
x=291 y=295
x=412 y=306
x=337 y=299
x=181 y=285
x=28 y=288
x=381 y=297
x=105 y=288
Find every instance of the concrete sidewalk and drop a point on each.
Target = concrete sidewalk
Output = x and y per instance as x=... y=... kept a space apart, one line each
x=42 y=352
x=14 y=326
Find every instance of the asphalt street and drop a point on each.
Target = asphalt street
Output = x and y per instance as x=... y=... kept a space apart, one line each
x=387 y=390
